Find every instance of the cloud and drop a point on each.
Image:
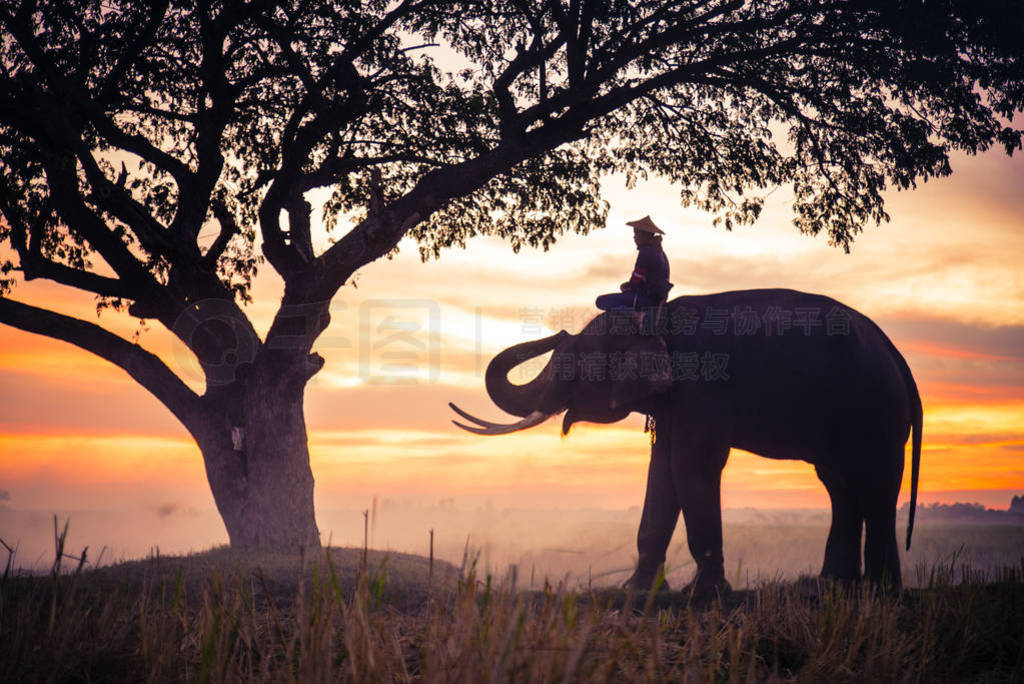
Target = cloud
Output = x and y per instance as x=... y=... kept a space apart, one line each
x=5 y=495
x=397 y=407
x=974 y=376
x=1008 y=440
x=167 y=510
x=345 y=438
x=28 y=403
x=696 y=274
x=1005 y=342
x=974 y=394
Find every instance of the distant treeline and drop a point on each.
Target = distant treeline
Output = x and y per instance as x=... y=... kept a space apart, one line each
x=938 y=512
x=969 y=512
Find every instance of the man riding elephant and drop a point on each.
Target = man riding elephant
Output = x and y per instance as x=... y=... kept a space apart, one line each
x=836 y=394
x=648 y=285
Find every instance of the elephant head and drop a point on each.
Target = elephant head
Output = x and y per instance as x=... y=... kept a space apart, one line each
x=599 y=375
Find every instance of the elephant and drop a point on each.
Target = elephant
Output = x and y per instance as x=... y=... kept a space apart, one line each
x=775 y=372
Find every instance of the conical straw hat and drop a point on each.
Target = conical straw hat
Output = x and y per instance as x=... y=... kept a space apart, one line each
x=647 y=225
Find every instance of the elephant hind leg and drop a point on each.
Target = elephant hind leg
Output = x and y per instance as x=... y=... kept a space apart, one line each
x=842 y=551
x=881 y=551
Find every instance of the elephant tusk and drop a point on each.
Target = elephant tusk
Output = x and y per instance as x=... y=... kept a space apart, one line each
x=489 y=428
x=474 y=419
x=469 y=428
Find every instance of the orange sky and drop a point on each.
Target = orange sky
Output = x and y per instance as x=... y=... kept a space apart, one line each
x=943 y=279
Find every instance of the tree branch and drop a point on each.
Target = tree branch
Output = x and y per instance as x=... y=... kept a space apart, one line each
x=579 y=42
x=228 y=229
x=27 y=242
x=282 y=256
x=693 y=72
x=63 y=182
x=380 y=232
x=132 y=49
x=20 y=27
x=195 y=190
x=143 y=366
x=112 y=197
x=299 y=211
x=334 y=169
x=536 y=55
x=358 y=47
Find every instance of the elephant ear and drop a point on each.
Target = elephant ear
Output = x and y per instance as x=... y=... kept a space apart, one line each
x=639 y=371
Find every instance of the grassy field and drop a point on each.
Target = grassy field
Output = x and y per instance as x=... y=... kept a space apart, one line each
x=335 y=616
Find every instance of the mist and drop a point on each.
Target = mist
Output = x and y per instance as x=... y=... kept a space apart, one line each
x=574 y=547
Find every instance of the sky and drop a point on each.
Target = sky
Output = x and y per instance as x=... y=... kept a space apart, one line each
x=943 y=279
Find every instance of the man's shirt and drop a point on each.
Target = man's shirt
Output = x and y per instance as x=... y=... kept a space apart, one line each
x=650 y=274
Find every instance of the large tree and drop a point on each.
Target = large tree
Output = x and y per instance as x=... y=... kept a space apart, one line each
x=128 y=127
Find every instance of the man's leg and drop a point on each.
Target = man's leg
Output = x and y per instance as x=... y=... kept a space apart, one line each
x=617 y=300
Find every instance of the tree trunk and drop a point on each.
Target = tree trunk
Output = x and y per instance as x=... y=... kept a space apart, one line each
x=263 y=491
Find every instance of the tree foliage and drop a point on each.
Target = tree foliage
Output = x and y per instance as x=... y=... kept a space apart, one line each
x=127 y=128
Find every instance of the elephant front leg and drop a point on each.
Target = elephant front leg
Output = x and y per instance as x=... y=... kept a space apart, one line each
x=698 y=485
x=660 y=515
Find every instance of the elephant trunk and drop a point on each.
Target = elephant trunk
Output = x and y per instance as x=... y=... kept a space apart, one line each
x=520 y=400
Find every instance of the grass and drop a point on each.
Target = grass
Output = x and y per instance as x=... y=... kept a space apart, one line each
x=225 y=616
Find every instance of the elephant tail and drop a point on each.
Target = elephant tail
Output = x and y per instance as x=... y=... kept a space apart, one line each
x=916 y=425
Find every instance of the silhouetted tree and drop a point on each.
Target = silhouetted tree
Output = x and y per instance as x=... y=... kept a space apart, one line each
x=128 y=127
x=1017 y=504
